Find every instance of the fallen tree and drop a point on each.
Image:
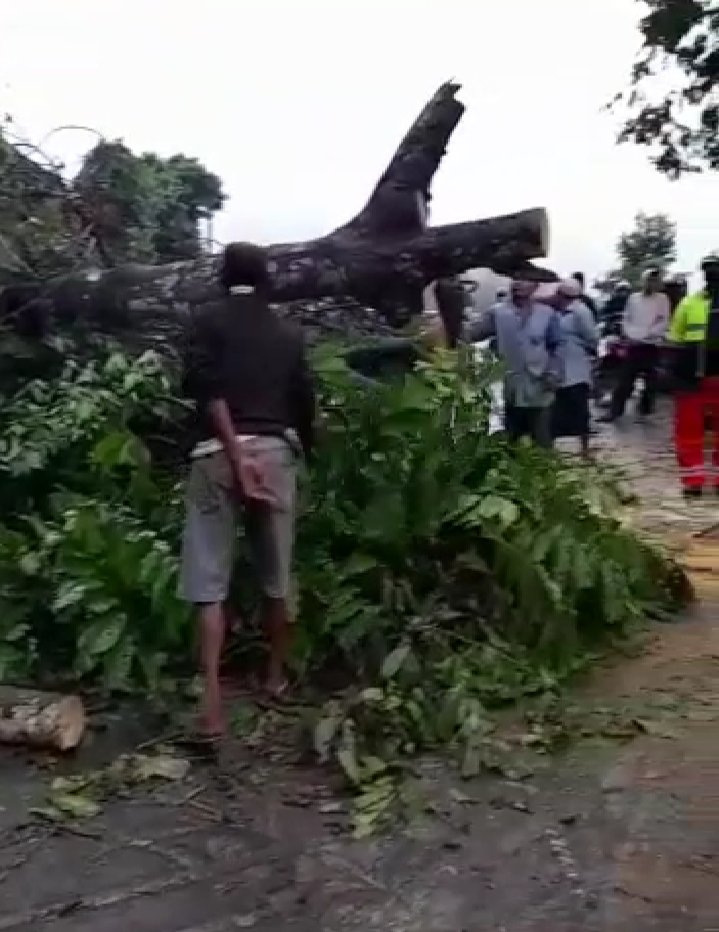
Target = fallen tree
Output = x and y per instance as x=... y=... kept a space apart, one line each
x=383 y=258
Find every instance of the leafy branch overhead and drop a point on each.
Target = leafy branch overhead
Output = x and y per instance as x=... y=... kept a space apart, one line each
x=680 y=125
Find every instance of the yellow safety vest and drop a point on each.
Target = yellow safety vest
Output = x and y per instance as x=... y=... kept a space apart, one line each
x=689 y=323
x=696 y=352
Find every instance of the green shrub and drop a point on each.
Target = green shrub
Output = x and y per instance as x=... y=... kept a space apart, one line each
x=491 y=569
x=88 y=544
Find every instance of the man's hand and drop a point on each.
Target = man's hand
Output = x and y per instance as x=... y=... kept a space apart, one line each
x=253 y=479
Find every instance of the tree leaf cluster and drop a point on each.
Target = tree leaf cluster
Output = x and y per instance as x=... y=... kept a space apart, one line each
x=118 y=208
x=680 y=125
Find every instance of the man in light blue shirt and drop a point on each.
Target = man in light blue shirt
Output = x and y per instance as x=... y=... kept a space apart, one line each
x=571 y=415
x=528 y=337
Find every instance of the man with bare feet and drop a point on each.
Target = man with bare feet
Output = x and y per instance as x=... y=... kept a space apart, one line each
x=248 y=373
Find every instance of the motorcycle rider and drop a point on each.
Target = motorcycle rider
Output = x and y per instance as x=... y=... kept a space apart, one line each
x=613 y=311
x=610 y=358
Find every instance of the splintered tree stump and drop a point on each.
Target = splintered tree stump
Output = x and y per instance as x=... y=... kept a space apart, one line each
x=41 y=720
x=383 y=259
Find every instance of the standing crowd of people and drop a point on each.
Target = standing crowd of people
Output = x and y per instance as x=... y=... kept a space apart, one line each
x=249 y=376
x=548 y=336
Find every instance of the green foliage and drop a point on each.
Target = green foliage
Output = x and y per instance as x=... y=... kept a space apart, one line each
x=652 y=244
x=413 y=507
x=35 y=239
x=440 y=571
x=119 y=208
x=449 y=573
x=679 y=127
x=146 y=208
x=89 y=538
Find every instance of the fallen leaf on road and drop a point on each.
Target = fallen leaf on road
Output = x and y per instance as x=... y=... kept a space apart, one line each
x=159 y=767
x=75 y=805
x=459 y=797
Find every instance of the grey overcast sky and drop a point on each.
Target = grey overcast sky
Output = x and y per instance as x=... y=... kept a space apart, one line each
x=298 y=104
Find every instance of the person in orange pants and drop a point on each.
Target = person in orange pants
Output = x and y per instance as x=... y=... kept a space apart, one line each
x=694 y=334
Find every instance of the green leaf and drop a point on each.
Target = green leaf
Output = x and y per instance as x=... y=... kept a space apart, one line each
x=372 y=767
x=17 y=632
x=117 y=664
x=159 y=767
x=359 y=564
x=372 y=694
x=48 y=813
x=75 y=805
x=501 y=509
x=69 y=594
x=394 y=661
x=30 y=563
x=112 y=450
x=101 y=636
x=71 y=785
x=325 y=732
x=348 y=761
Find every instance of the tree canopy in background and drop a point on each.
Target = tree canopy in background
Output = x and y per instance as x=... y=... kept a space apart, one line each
x=679 y=125
x=651 y=244
x=119 y=208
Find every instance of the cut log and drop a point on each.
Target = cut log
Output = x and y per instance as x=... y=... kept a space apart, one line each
x=383 y=258
x=41 y=720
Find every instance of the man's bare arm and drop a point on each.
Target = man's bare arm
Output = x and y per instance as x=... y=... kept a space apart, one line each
x=221 y=420
x=202 y=354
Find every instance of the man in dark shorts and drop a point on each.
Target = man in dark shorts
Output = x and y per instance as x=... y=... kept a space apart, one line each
x=248 y=373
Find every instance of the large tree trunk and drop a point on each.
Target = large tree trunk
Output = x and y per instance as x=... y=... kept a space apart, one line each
x=41 y=720
x=383 y=258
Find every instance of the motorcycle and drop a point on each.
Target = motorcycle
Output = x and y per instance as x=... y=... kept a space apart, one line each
x=611 y=353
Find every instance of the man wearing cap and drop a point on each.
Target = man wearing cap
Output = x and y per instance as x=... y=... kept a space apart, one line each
x=644 y=327
x=527 y=337
x=248 y=374
x=694 y=339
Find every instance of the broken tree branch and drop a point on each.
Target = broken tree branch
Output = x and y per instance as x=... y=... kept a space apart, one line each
x=383 y=258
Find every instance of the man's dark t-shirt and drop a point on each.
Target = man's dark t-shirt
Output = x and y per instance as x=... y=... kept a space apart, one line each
x=238 y=350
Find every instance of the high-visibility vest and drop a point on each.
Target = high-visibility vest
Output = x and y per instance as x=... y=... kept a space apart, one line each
x=694 y=331
x=689 y=323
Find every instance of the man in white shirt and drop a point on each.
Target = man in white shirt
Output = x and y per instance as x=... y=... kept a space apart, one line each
x=644 y=326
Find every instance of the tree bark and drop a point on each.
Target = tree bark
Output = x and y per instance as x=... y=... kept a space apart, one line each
x=382 y=259
x=41 y=720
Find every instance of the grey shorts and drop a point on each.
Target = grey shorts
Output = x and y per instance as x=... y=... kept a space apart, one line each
x=212 y=512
